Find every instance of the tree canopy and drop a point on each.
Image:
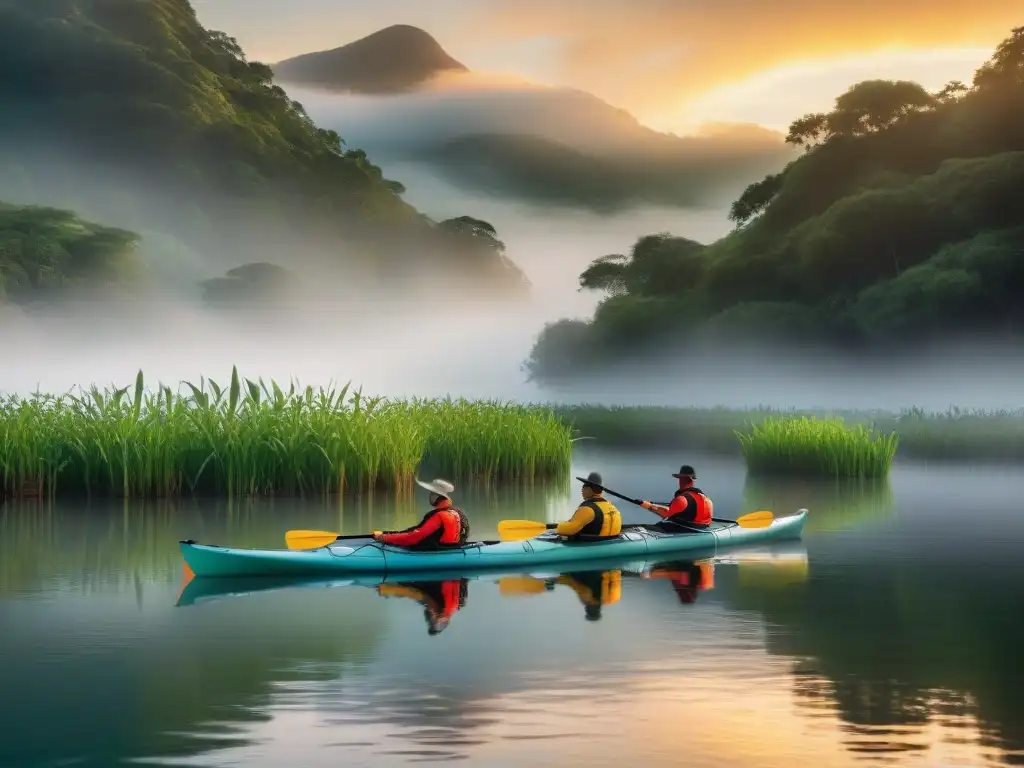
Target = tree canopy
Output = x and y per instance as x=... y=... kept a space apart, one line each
x=901 y=222
x=46 y=250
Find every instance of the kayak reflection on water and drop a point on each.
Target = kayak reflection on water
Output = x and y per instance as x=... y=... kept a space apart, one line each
x=443 y=594
x=596 y=589
x=440 y=599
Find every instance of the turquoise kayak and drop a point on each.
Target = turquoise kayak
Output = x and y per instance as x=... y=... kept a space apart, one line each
x=366 y=556
x=201 y=590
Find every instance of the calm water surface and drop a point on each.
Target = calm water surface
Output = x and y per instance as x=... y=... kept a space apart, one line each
x=890 y=636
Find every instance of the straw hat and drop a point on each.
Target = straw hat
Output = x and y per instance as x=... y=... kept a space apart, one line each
x=438 y=486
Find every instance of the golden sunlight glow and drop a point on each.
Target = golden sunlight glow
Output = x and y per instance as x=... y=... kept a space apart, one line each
x=477 y=81
x=775 y=97
x=700 y=719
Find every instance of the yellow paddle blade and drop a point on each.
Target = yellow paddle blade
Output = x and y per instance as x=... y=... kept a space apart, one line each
x=520 y=586
x=309 y=539
x=760 y=519
x=516 y=530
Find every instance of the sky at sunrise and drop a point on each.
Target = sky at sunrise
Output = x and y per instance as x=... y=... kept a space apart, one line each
x=673 y=63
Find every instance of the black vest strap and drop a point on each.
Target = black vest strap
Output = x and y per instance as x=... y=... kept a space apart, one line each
x=593 y=528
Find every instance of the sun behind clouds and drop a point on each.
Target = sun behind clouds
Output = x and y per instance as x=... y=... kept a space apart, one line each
x=650 y=56
x=775 y=97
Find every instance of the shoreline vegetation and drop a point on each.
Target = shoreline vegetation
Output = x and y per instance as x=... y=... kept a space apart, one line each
x=254 y=438
x=954 y=435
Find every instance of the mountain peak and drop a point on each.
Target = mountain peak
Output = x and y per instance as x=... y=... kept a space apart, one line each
x=391 y=60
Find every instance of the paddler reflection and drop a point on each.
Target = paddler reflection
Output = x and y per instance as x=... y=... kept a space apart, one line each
x=688 y=577
x=440 y=599
x=595 y=589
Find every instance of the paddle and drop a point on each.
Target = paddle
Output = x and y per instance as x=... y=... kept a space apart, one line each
x=316 y=539
x=761 y=519
x=520 y=586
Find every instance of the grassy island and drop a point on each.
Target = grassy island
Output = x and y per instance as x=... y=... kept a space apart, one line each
x=255 y=438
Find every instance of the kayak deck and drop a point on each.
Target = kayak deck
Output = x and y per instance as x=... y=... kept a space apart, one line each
x=366 y=556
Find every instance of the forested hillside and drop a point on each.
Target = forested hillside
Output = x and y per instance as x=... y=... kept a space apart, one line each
x=132 y=113
x=902 y=222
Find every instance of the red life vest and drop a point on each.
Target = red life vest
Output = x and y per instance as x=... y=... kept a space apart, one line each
x=698 y=508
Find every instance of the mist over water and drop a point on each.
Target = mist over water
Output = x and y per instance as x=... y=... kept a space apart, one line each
x=450 y=344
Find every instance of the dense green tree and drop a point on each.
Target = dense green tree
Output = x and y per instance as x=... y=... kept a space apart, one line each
x=758 y=196
x=43 y=250
x=657 y=265
x=257 y=282
x=476 y=251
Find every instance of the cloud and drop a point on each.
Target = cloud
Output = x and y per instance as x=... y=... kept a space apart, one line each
x=638 y=53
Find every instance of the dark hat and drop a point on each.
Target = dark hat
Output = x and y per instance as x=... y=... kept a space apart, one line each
x=686 y=471
x=593 y=480
x=592 y=612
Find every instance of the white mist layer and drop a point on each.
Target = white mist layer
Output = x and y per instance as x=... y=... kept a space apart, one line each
x=392 y=347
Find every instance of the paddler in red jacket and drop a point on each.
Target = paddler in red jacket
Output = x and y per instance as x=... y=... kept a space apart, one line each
x=689 y=507
x=444 y=526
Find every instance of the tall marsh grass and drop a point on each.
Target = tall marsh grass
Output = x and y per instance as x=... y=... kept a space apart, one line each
x=955 y=434
x=810 y=446
x=251 y=438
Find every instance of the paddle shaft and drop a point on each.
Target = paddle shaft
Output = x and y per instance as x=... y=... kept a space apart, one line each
x=639 y=502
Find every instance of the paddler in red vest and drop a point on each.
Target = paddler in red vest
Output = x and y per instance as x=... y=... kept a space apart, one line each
x=444 y=526
x=690 y=506
x=440 y=599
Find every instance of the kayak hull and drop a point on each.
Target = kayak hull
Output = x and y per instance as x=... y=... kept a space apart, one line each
x=365 y=556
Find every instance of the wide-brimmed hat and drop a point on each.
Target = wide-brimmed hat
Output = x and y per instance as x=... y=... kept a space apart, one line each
x=686 y=471
x=593 y=480
x=437 y=485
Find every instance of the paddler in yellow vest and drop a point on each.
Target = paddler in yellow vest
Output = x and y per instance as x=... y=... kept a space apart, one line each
x=595 y=516
x=595 y=589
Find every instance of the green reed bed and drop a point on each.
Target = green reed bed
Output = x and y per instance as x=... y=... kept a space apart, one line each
x=956 y=434
x=255 y=438
x=487 y=439
x=810 y=446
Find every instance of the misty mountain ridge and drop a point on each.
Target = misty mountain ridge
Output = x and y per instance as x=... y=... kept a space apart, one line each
x=391 y=60
x=134 y=116
x=526 y=140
